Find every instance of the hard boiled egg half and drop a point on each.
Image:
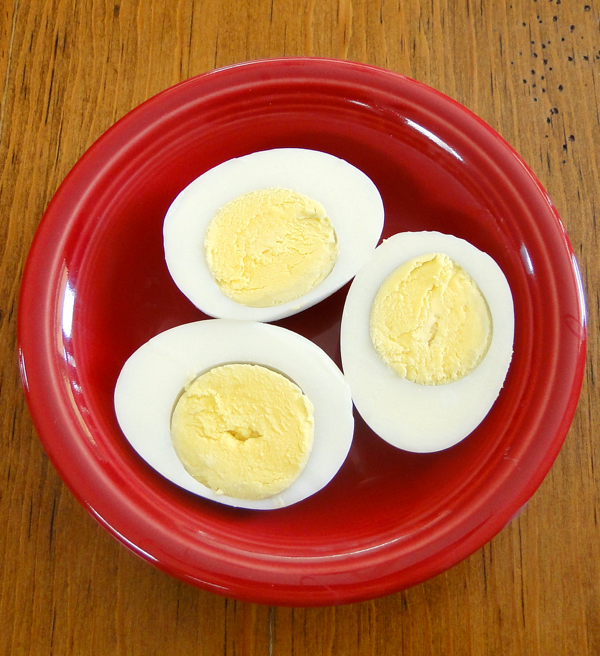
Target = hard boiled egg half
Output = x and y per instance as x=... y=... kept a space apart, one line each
x=411 y=415
x=154 y=377
x=336 y=192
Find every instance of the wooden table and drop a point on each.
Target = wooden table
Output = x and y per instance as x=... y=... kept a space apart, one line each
x=68 y=70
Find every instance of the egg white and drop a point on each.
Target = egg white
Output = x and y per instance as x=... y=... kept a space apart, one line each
x=153 y=378
x=351 y=200
x=413 y=417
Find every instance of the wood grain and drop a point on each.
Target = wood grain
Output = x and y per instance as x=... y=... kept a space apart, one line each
x=68 y=70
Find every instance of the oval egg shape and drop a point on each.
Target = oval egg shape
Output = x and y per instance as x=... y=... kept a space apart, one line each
x=351 y=200
x=408 y=415
x=153 y=378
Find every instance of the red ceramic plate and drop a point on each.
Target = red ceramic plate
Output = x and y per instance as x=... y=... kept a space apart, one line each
x=96 y=287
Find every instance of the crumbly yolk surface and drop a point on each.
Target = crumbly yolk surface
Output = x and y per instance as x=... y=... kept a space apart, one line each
x=430 y=322
x=270 y=247
x=243 y=430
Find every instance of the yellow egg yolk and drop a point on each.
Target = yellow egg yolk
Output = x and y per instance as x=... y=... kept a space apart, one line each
x=430 y=321
x=270 y=247
x=243 y=430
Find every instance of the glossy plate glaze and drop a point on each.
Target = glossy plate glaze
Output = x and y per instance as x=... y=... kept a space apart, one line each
x=96 y=287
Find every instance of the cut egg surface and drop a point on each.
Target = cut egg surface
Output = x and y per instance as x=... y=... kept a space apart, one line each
x=351 y=203
x=418 y=417
x=155 y=376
